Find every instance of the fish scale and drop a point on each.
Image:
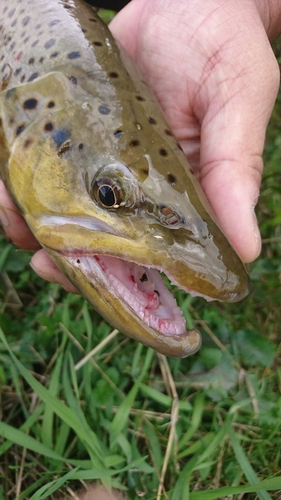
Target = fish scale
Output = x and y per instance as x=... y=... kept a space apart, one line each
x=99 y=177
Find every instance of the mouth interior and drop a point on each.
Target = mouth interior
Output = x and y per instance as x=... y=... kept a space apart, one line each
x=142 y=289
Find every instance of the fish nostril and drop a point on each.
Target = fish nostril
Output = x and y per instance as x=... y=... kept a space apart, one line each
x=170 y=217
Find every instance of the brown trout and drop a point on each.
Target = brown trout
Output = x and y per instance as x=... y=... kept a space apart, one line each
x=100 y=179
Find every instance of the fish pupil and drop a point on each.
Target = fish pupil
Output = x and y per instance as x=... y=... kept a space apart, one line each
x=107 y=195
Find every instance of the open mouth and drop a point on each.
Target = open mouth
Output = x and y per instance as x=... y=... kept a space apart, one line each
x=139 y=287
x=142 y=289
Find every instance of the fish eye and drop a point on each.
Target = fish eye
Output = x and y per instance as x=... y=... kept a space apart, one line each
x=107 y=193
x=114 y=186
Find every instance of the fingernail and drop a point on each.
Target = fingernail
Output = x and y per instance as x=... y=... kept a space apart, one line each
x=4 y=221
x=257 y=234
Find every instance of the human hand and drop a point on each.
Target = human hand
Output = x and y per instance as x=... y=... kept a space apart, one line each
x=215 y=76
x=211 y=68
x=97 y=493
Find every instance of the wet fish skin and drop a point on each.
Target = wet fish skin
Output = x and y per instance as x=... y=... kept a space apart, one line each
x=75 y=114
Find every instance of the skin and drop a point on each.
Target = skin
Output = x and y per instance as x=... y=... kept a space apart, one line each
x=186 y=52
x=97 y=493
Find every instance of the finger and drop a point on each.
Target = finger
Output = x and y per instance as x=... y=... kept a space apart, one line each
x=47 y=269
x=98 y=493
x=232 y=141
x=14 y=224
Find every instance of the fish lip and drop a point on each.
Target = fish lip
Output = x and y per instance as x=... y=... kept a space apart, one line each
x=233 y=293
x=88 y=222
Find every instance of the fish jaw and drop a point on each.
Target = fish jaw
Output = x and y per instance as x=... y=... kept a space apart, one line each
x=120 y=278
x=133 y=298
x=190 y=266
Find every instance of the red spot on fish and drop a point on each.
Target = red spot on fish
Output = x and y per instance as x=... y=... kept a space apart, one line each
x=19 y=56
x=132 y=278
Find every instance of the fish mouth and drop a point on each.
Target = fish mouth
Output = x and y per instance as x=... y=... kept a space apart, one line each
x=141 y=288
x=138 y=288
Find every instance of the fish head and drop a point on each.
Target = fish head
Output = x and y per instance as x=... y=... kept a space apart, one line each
x=115 y=206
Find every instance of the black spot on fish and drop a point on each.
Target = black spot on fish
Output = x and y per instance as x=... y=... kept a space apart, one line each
x=38 y=26
x=140 y=98
x=31 y=60
x=118 y=133
x=11 y=93
x=7 y=39
x=171 y=179
x=152 y=120
x=14 y=23
x=54 y=54
x=34 y=43
x=78 y=261
x=48 y=127
x=157 y=293
x=50 y=43
x=145 y=171
x=97 y=44
x=11 y=13
x=30 y=103
x=11 y=121
x=60 y=136
x=27 y=143
x=179 y=147
x=73 y=79
x=50 y=104
x=25 y=20
x=33 y=77
x=20 y=129
x=83 y=30
x=163 y=152
x=41 y=59
x=5 y=81
x=134 y=142
x=54 y=22
x=92 y=19
x=26 y=39
x=168 y=132
x=191 y=171
x=12 y=46
x=22 y=78
x=113 y=74
x=64 y=148
x=104 y=110
x=74 y=55
x=81 y=145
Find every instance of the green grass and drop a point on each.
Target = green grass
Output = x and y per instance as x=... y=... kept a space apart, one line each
x=205 y=427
